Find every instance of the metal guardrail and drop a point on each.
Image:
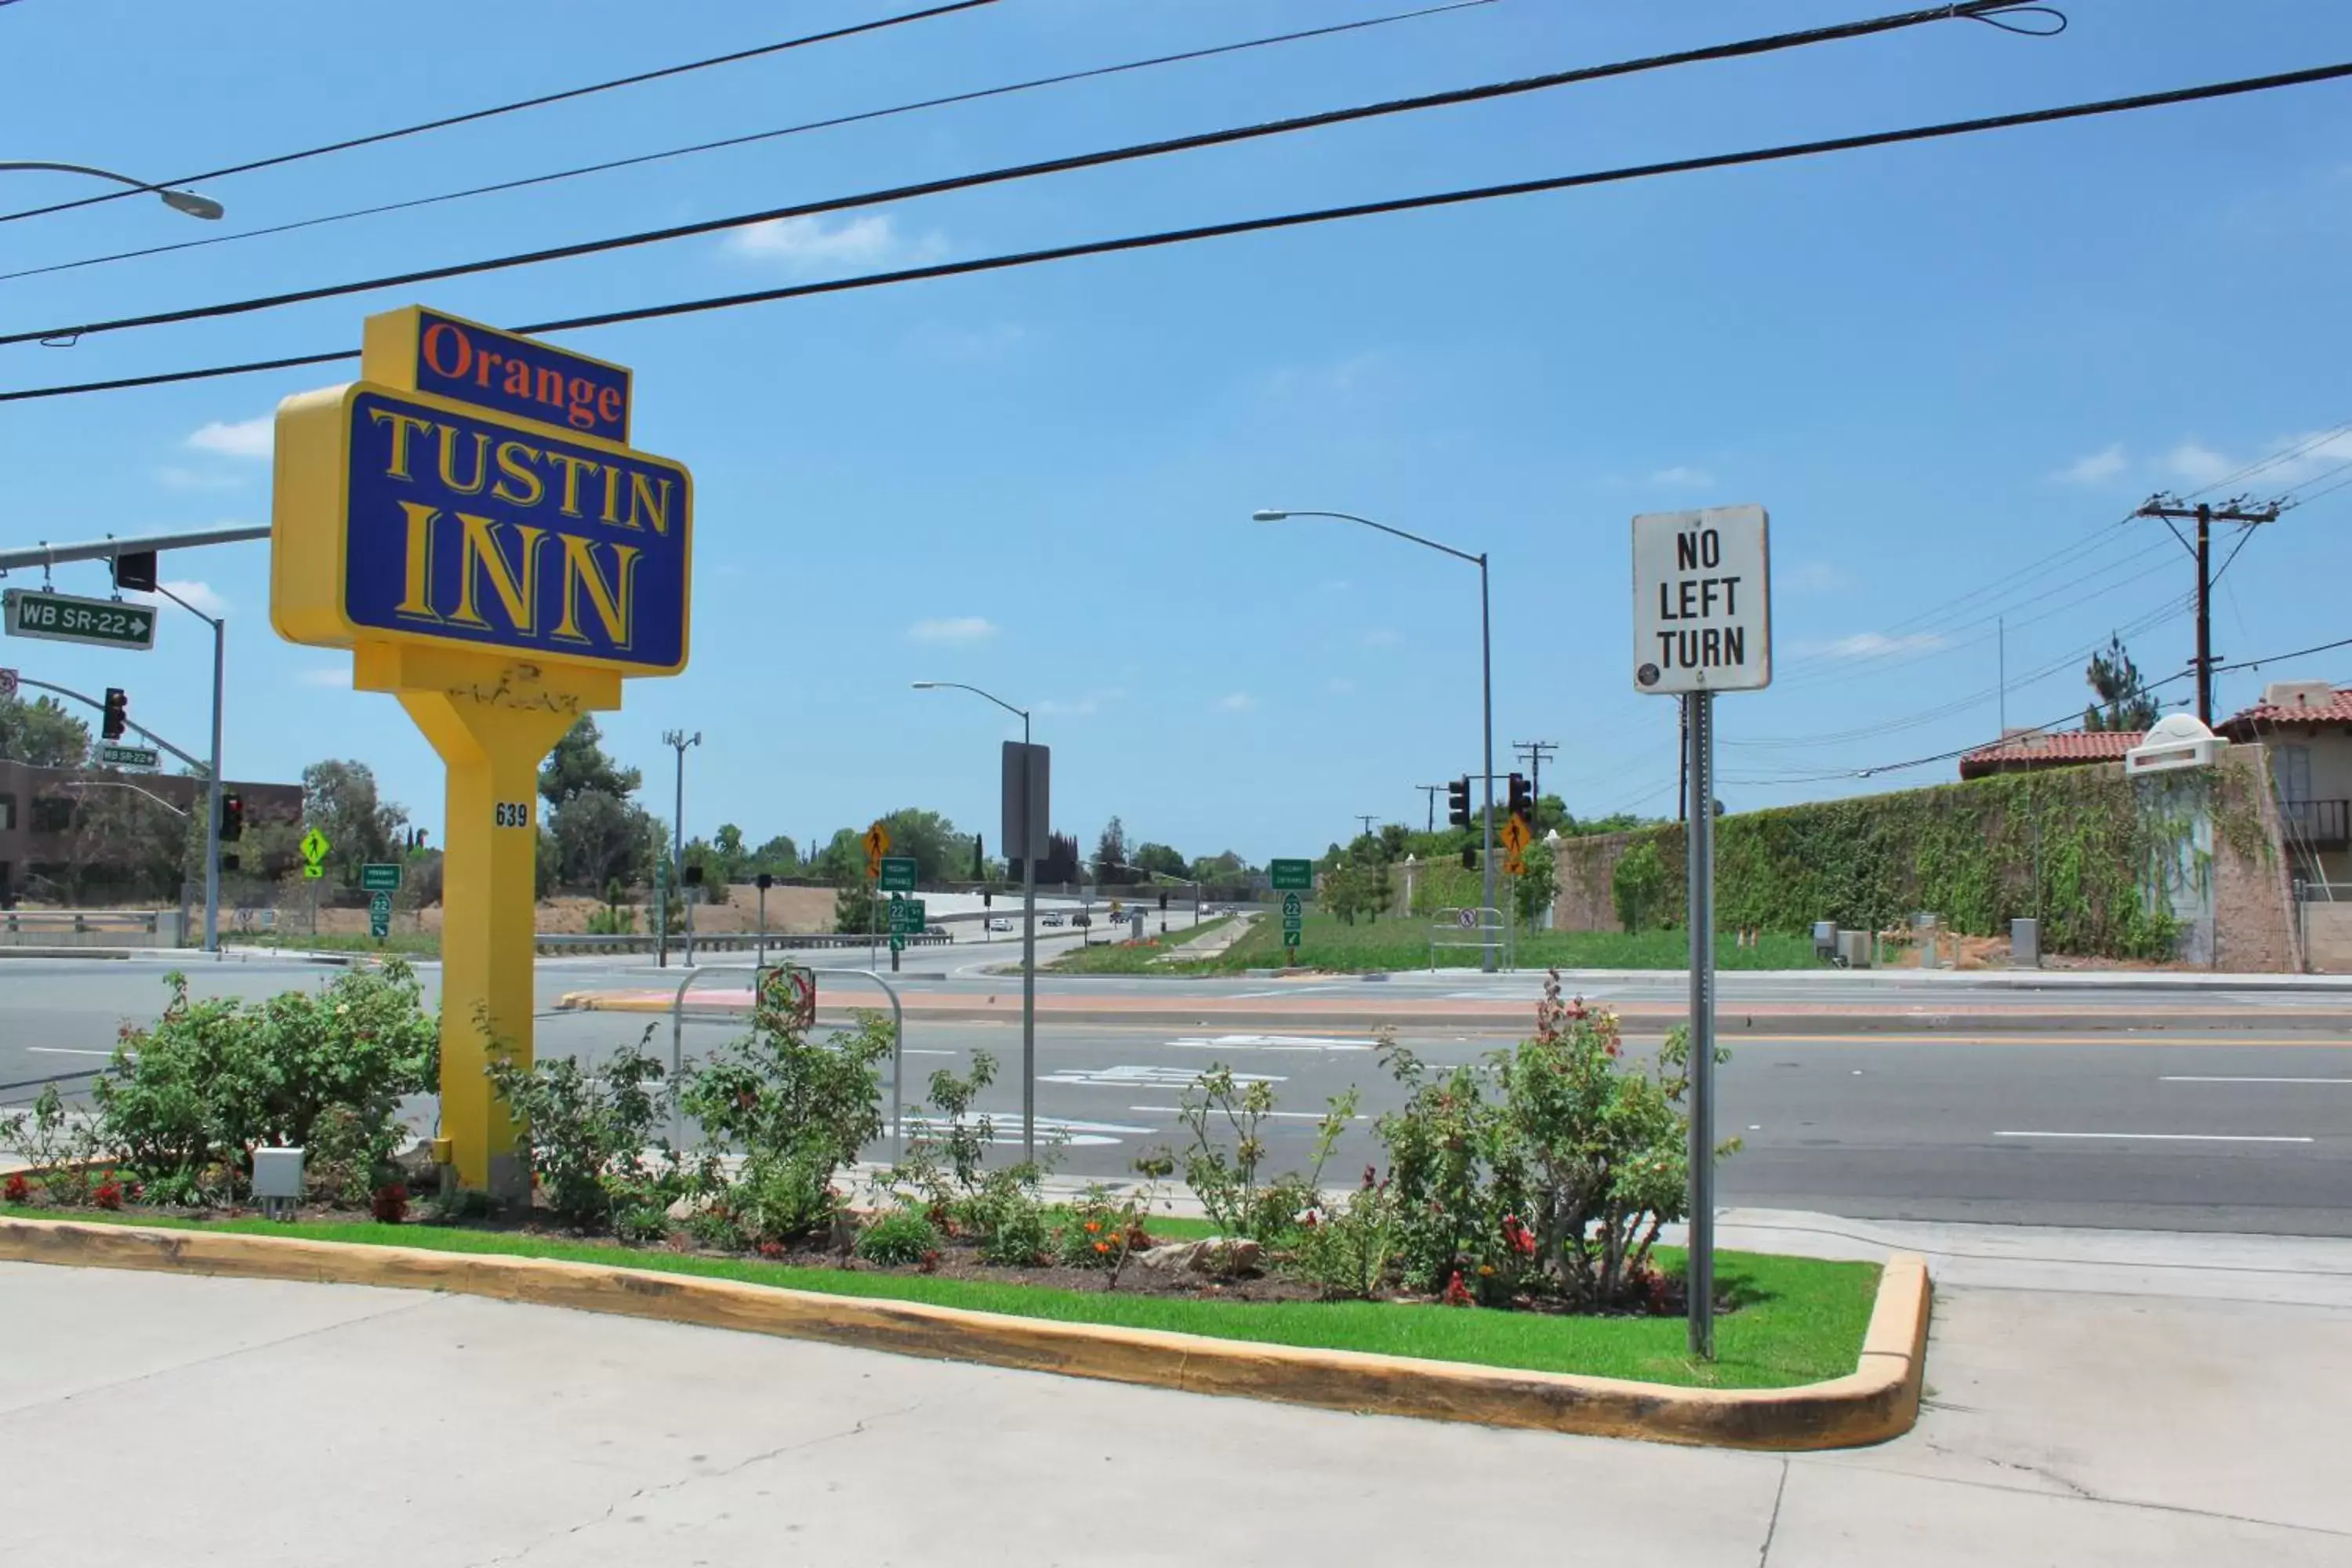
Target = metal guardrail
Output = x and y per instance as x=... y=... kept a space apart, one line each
x=897 y=1041
x=81 y=921
x=720 y=942
x=1481 y=928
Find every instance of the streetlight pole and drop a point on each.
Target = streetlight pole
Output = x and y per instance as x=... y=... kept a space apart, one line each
x=1486 y=676
x=179 y=201
x=1028 y=926
x=212 y=776
x=681 y=741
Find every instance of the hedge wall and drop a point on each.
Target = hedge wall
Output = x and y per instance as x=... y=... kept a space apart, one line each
x=2067 y=846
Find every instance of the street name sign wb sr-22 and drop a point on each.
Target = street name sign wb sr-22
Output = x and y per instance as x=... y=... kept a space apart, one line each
x=1702 y=601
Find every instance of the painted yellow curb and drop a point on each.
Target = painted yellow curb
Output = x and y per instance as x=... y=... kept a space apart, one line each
x=1878 y=1400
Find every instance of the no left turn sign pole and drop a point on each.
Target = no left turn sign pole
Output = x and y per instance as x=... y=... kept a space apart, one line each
x=1702 y=624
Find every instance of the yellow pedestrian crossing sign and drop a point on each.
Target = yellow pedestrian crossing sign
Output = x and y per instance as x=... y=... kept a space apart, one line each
x=1516 y=834
x=314 y=848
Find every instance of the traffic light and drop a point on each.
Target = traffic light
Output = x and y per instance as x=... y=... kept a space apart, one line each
x=232 y=822
x=1163 y=902
x=987 y=900
x=694 y=874
x=1523 y=799
x=1469 y=858
x=134 y=571
x=1457 y=802
x=118 y=714
x=765 y=881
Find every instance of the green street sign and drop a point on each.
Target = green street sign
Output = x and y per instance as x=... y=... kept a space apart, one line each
x=379 y=915
x=1292 y=914
x=62 y=617
x=897 y=873
x=380 y=876
x=1290 y=874
x=897 y=942
x=112 y=756
x=906 y=916
x=1290 y=936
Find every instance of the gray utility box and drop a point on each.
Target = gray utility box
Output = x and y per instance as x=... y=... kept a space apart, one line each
x=2025 y=944
x=1853 y=949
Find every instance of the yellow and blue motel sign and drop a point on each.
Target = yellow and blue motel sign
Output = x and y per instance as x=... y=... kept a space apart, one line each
x=470 y=519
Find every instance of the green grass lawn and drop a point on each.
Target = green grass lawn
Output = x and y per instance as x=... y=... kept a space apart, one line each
x=1134 y=958
x=1799 y=1319
x=1401 y=941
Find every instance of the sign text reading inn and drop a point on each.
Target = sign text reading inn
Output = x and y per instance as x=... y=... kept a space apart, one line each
x=1702 y=601
x=466 y=529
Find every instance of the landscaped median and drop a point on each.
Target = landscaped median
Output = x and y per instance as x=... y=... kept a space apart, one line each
x=1496 y=1369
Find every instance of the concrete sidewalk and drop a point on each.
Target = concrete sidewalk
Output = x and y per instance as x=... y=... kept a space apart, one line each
x=2086 y=1406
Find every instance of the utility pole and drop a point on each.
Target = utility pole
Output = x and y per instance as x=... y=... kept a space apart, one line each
x=1535 y=751
x=1432 y=792
x=2169 y=509
x=1367 y=819
x=681 y=741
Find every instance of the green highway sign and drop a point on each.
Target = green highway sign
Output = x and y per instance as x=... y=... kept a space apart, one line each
x=380 y=876
x=62 y=617
x=897 y=942
x=1293 y=914
x=897 y=873
x=1292 y=874
x=113 y=756
x=906 y=916
x=379 y=915
x=1290 y=936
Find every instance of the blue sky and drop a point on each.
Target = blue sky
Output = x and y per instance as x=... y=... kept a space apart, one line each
x=1939 y=366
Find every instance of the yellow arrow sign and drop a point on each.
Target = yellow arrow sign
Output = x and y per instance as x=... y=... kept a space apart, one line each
x=1516 y=834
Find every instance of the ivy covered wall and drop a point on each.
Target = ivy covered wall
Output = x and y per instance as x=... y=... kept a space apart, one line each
x=2078 y=848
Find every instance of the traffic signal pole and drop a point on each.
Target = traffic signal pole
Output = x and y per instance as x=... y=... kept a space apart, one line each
x=212 y=774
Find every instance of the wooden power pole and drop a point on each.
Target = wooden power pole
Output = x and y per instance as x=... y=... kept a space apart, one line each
x=2169 y=509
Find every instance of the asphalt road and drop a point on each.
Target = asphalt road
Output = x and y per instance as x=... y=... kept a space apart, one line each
x=2240 y=1118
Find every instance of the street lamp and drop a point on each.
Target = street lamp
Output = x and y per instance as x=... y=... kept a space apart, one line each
x=1487 y=674
x=1028 y=926
x=212 y=777
x=680 y=740
x=189 y=201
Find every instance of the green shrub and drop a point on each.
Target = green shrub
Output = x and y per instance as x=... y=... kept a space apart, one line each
x=60 y=1146
x=1228 y=1181
x=588 y=1132
x=1348 y=1250
x=189 y=1099
x=898 y=1239
x=1635 y=885
x=639 y=1223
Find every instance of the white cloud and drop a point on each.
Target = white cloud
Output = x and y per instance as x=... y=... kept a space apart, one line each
x=1081 y=708
x=2197 y=464
x=198 y=595
x=807 y=245
x=1683 y=477
x=246 y=438
x=954 y=628
x=1342 y=686
x=1876 y=645
x=327 y=675
x=1236 y=702
x=1813 y=577
x=177 y=478
x=1351 y=376
x=2097 y=468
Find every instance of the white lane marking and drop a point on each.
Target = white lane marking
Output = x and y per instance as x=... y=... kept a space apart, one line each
x=2193 y=1078
x=1005 y=1128
x=65 y=1051
x=1268 y=1043
x=919 y=1051
x=1284 y=1115
x=1145 y=1078
x=2168 y=1137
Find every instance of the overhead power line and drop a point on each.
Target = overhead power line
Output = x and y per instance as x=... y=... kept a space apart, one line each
x=1278 y=222
x=834 y=121
x=540 y=101
x=1482 y=92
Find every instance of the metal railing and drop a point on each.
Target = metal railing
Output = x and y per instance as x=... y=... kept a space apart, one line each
x=2316 y=824
x=721 y=941
x=1481 y=928
x=897 y=1041
x=81 y=921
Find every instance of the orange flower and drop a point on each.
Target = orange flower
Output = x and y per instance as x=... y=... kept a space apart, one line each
x=1093 y=1226
x=1102 y=1247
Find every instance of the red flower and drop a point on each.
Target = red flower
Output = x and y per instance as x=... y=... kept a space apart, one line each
x=390 y=1204
x=108 y=1194
x=772 y=1249
x=1518 y=1236
x=1457 y=1294
x=931 y=1260
x=20 y=1190
x=1371 y=1178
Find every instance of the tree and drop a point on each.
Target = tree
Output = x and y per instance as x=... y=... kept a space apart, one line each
x=579 y=764
x=1635 y=885
x=1228 y=869
x=42 y=732
x=727 y=849
x=1060 y=866
x=855 y=906
x=124 y=842
x=2124 y=701
x=940 y=853
x=1110 y=854
x=338 y=799
x=1159 y=860
x=601 y=838
x=1532 y=890
x=779 y=856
